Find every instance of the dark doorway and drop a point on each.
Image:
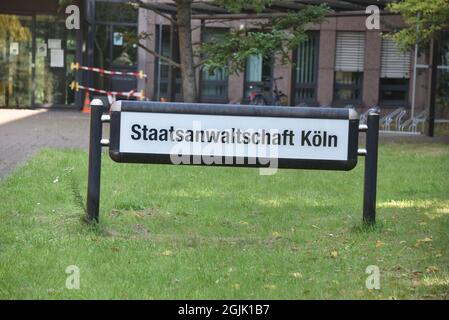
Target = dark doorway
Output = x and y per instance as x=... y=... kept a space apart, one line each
x=114 y=24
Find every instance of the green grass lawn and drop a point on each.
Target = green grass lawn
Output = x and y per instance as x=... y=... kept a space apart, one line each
x=170 y=232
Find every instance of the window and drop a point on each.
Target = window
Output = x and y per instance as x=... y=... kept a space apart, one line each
x=114 y=23
x=349 y=63
x=393 y=91
x=305 y=74
x=348 y=86
x=123 y=54
x=214 y=85
x=258 y=76
x=163 y=69
x=395 y=74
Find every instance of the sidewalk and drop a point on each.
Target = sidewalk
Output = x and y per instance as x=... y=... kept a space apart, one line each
x=24 y=132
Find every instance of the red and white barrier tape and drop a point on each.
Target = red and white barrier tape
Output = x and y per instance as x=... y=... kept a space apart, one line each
x=77 y=66
x=76 y=86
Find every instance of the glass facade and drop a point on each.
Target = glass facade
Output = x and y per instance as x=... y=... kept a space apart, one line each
x=163 y=69
x=115 y=24
x=16 y=36
x=348 y=87
x=53 y=79
x=306 y=70
x=394 y=91
x=214 y=84
x=35 y=56
x=258 y=74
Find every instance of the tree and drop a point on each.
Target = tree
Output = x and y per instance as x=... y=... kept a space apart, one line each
x=430 y=16
x=275 y=36
x=12 y=26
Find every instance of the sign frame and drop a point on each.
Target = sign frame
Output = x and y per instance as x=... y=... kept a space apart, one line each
x=220 y=110
x=97 y=119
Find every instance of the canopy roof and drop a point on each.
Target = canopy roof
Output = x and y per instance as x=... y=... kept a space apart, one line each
x=208 y=10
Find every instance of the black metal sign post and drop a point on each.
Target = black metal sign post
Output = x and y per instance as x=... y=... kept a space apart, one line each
x=370 y=186
x=93 y=179
x=304 y=138
x=95 y=144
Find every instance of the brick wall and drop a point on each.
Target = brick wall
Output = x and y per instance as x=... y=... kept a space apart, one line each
x=326 y=67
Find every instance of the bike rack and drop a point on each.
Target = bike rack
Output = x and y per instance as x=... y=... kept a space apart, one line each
x=399 y=119
x=412 y=124
x=388 y=119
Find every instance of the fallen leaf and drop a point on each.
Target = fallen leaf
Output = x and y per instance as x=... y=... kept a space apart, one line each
x=438 y=255
x=421 y=241
x=432 y=269
x=244 y=223
x=270 y=286
x=276 y=235
x=236 y=286
x=380 y=244
x=416 y=273
x=296 y=275
x=167 y=253
x=334 y=254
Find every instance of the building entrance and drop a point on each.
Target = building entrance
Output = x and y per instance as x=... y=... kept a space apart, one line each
x=35 y=55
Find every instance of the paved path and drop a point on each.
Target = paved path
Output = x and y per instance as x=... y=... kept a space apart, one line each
x=24 y=132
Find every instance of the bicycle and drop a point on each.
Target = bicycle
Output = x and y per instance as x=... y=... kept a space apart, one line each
x=278 y=98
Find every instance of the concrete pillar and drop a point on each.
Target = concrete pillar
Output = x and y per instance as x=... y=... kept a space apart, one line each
x=422 y=84
x=371 y=72
x=326 y=64
x=236 y=82
x=145 y=60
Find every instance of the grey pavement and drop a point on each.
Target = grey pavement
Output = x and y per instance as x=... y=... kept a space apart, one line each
x=24 y=132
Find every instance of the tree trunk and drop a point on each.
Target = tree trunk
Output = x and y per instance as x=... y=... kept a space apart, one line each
x=189 y=90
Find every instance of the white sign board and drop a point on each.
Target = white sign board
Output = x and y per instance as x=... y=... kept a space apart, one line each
x=234 y=136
